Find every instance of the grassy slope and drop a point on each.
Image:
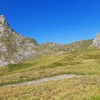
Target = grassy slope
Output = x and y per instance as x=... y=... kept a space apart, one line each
x=84 y=88
x=85 y=62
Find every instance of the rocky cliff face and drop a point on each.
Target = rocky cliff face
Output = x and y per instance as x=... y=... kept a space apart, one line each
x=96 y=41
x=13 y=46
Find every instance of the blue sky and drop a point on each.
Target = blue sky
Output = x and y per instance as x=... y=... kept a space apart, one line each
x=60 y=21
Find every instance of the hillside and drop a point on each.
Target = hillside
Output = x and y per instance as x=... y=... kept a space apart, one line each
x=23 y=60
x=55 y=47
x=16 y=48
x=13 y=46
x=83 y=62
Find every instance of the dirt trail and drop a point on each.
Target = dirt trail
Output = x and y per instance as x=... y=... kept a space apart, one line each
x=65 y=76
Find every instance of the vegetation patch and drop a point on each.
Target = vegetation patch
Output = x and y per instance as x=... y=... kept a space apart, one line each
x=85 y=62
x=14 y=67
x=80 y=88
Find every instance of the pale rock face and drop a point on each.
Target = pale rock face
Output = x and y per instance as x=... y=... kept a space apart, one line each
x=14 y=47
x=96 y=41
x=3 y=23
x=2 y=19
x=1 y=29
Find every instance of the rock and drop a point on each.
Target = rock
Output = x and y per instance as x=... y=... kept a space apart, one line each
x=13 y=46
x=96 y=41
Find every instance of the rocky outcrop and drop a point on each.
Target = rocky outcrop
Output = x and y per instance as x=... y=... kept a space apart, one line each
x=96 y=41
x=13 y=46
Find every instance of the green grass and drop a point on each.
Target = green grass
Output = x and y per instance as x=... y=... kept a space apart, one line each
x=81 y=62
x=80 y=88
x=20 y=66
x=85 y=62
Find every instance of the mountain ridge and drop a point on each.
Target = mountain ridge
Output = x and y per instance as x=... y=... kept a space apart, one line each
x=13 y=46
x=16 y=48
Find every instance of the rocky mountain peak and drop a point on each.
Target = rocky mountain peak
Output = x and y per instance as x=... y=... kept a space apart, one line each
x=3 y=23
x=3 y=20
x=13 y=46
x=96 y=41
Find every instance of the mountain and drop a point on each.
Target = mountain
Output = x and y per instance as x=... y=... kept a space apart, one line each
x=96 y=41
x=55 y=47
x=16 y=48
x=13 y=46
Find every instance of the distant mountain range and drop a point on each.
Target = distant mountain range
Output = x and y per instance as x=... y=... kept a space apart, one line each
x=16 y=48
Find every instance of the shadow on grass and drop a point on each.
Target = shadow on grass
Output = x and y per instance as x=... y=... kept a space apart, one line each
x=14 y=67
